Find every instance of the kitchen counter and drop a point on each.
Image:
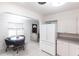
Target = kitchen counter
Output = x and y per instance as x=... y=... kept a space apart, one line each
x=70 y=40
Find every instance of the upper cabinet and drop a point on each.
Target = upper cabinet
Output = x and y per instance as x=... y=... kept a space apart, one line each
x=77 y=20
x=67 y=24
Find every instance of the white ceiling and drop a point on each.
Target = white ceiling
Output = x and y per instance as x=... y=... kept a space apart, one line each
x=48 y=8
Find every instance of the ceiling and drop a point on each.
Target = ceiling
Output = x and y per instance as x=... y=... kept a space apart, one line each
x=48 y=8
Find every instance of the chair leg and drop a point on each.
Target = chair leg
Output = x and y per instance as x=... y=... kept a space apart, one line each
x=6 y=48
x=17 y=49
x=23 y=48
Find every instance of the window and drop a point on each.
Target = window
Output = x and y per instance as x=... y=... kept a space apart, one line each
x=15 y=29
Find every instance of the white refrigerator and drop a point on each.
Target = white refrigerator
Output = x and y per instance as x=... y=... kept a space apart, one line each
x=48 y=38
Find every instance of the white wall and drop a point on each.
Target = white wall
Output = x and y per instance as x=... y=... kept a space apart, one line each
x=67 y=20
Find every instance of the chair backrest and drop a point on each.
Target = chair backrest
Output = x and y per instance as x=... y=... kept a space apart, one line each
x=8 y=42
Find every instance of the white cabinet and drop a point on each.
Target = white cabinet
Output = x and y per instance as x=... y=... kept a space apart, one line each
x=48 y=38
x=77 y=25
x=67 y=24
x=59 y=47
x=51 y=33
x=62 y=48
x=65 y=48
x=42 y=32
x=73 y=49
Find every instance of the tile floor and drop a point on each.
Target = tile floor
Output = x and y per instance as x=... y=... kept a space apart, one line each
x=31 y=49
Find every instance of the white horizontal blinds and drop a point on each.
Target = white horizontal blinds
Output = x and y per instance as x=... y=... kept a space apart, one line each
x=11 y=32
x=15 y=29
x=20 y=31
